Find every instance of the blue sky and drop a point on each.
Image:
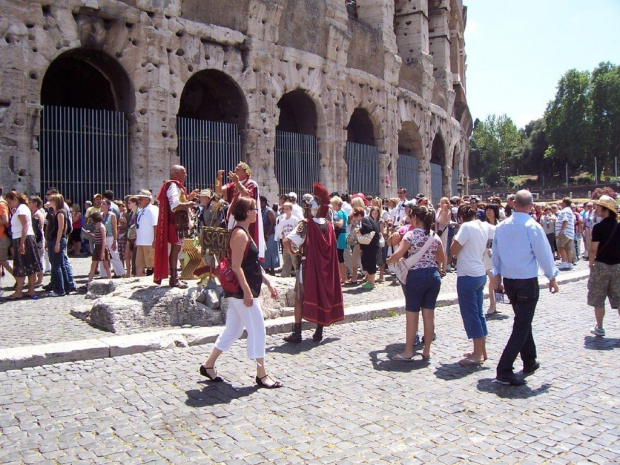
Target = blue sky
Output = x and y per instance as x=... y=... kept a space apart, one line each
x=517 y=50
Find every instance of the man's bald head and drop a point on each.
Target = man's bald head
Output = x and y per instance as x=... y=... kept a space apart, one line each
x=178 y=173
x=523 y=201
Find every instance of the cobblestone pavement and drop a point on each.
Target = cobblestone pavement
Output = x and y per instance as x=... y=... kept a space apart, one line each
x=28 y=322
x=344 y=400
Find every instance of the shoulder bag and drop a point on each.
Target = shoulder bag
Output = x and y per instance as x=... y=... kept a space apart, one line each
x=224 y=272
x=401 y=267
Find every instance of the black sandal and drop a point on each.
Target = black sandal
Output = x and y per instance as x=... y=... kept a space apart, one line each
x=205 y=373
x=275 y=385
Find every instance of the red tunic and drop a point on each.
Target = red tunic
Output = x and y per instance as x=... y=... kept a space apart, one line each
x=323 y=303
x=166 y=232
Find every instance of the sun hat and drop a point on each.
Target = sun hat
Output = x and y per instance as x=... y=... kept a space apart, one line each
x=144 y=193
x=607 y=202
x=206 y=193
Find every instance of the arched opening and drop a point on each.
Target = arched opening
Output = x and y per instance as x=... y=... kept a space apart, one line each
x=438 y=162
x=211 y=112
x=362 y=155
x=84 y=144
x=409 y=155
x=297 y=150
x=455 y=171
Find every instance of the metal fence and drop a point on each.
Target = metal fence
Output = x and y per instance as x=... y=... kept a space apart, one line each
x=407 y=174
x=363 y=168
x=83 y=152
x=455 y=182
x=206 y=147
x=296 y=162
x=436 y=183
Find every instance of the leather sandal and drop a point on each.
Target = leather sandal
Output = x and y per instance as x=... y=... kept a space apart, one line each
x=205 y=373
x=275 y=385
x=178 y=284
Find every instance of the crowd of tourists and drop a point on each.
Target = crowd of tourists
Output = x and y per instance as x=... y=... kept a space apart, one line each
x=326 y=241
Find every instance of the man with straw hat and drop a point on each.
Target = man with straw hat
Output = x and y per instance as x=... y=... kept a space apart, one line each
x=604 y=258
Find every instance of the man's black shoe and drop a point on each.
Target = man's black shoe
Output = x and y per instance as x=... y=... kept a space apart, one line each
x=530 y=369
x=48 y=287
x=510 y=380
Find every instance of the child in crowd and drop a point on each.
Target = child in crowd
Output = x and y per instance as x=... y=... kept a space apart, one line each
x=101 y=252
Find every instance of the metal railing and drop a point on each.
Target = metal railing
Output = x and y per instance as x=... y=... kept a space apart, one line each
x=455 y=182
x=84 y=152
x=436 y=183
x=407 y=174
x=206 y=147
x=363 y=168
x=296 y=162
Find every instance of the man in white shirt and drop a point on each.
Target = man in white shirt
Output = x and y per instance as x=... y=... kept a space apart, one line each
x=298 y=212
x=285 y=223
x=565 y=234
x=146 y=226
x=398 y=213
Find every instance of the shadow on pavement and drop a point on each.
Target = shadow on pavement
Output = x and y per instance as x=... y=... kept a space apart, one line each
x=216 y=393
x=511 y=392
x=297 y=348
x=600 y=343
x=454 y=371
x=381 y=360
x=497 y=317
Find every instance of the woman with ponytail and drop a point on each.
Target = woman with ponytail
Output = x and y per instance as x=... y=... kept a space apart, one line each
x=423 y=280
x=469 y=246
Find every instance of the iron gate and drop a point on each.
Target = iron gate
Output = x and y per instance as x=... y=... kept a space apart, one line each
x=455 y=182
x=83 y=152
x=206 y=147
x=436 y=183
x=407 y=174
x=363 y=168
x=296 y=162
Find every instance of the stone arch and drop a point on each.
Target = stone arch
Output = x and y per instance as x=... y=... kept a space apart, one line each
x=211 y=125
x=72 y=77
x=362 y=128
x=362 y=153
x=87 y=97
x=298 y=113
x=297 y=157
x=212 y=95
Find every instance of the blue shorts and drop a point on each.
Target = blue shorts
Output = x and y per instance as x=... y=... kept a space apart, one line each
x=422 y=289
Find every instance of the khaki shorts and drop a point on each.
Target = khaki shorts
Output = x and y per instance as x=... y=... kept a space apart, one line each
x=563 y=242
x=5 y=244
x=144 y=256
x=604 y=282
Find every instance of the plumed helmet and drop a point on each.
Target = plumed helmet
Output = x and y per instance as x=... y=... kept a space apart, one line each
x=322 y=199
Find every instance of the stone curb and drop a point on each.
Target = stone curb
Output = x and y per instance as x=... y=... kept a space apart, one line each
x=114 y=346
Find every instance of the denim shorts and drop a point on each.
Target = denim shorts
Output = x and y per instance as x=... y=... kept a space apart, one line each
x=422 y=289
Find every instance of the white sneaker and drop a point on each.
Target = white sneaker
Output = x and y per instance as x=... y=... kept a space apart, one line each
x=598 y=331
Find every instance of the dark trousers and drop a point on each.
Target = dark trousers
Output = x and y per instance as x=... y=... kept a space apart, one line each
x=523 y=295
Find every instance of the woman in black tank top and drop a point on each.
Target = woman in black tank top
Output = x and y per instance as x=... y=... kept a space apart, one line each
x=244 y=310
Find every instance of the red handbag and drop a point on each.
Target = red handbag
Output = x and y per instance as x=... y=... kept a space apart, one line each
x=225 y=274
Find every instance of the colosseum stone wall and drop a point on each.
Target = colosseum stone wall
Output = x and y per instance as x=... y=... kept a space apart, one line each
x=361 y=95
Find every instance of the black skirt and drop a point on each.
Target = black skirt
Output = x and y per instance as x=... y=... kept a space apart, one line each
x=28 y=263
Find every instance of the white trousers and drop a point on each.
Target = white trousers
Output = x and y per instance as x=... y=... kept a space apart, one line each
x=239 y=317
x=116 y=263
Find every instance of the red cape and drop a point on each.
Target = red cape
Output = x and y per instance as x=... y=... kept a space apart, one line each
x=323 y=303
x=165 y=235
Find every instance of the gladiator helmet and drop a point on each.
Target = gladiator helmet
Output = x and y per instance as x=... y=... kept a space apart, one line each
x=317 y=202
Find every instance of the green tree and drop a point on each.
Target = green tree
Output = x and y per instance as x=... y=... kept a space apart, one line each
x=568 y=120
x=532 y=159
x=493 y=144
x=605 y=114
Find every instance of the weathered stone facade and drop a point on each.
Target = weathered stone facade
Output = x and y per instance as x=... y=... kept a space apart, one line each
x=401 y=62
